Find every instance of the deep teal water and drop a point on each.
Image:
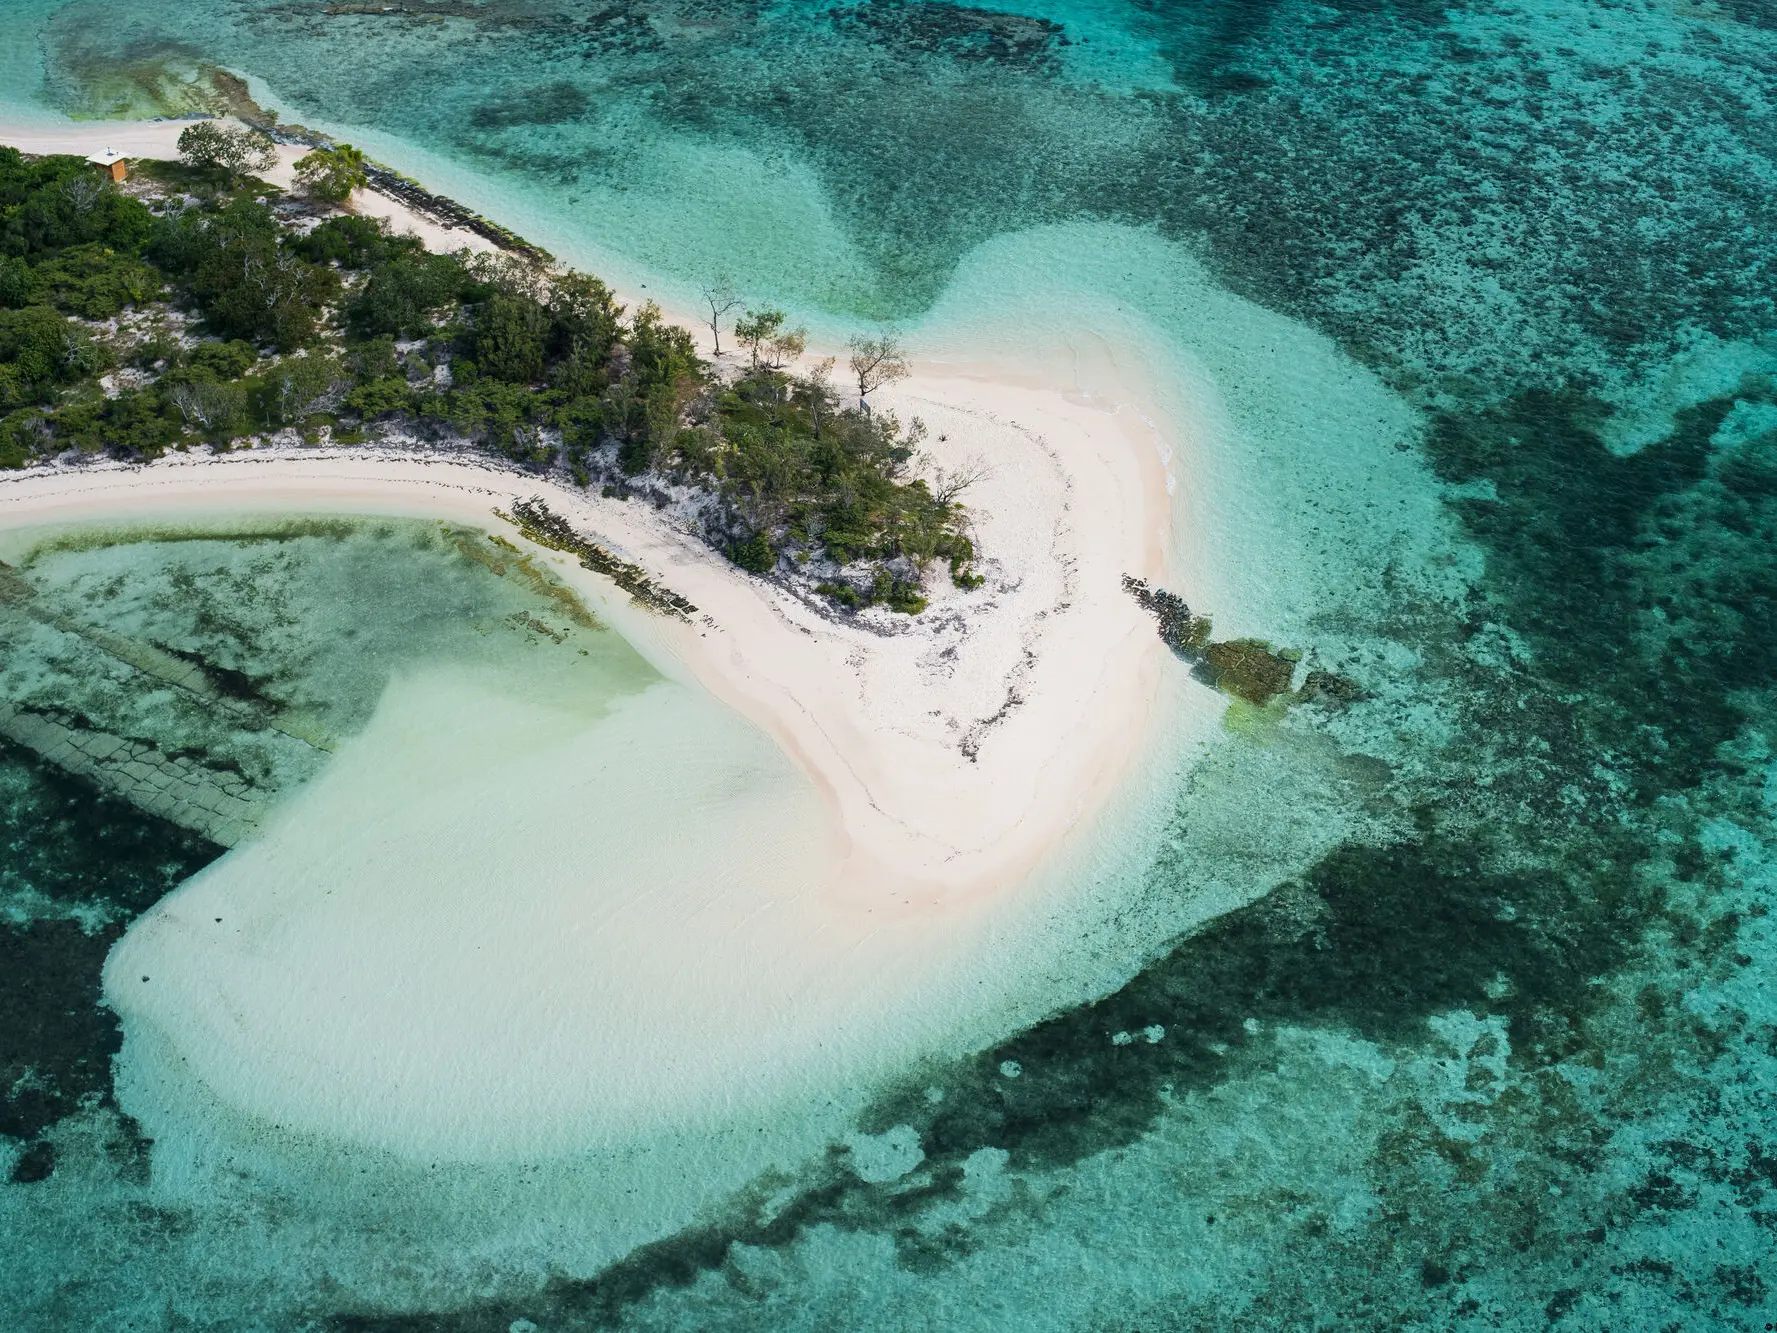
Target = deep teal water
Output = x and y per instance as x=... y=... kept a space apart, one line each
x=1503 y=1058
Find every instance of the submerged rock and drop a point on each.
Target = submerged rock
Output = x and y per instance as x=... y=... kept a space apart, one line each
x=1249 y=669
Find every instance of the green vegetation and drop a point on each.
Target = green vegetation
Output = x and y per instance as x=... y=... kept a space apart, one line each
x=817 y=482
x=767 y=340
x=228 y=314
x=246 y=282
x=228 y=152
x=331 y=174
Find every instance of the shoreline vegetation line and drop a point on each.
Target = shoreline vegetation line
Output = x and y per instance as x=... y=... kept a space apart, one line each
x=203 y=305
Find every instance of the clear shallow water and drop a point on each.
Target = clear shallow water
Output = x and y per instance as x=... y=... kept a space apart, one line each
x=1492 y=1047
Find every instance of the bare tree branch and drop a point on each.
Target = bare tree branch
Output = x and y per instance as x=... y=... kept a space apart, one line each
x=721 y=298
x=875 y=362
x=948 y=484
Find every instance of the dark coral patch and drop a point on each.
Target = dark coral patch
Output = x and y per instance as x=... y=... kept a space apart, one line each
x=552 y=104
x=56 y=1042
x=74 y=847
x=956 y=31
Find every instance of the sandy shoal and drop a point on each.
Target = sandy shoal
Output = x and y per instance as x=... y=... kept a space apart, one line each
x=955 y=754
x=954 y=749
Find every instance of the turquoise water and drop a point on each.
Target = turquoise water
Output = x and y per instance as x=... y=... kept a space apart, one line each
x=1490 y=1044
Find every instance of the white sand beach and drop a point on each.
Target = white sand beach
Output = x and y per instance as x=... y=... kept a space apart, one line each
x=946 y=758
x=954 y=747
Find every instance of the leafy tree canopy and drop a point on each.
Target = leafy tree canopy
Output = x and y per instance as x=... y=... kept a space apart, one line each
x=226 y=149
x=331 y=174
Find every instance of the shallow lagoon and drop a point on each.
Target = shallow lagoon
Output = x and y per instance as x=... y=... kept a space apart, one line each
x=1497 y=1059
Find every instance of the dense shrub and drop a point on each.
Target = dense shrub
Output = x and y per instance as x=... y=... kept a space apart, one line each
x=404 y=292
x=754 y=554
x=135 y=424
x=225 y=361
x=299 y=387
x=353 y=242
x=40 y=350
x=50 y=203
x=23 y=435
x=510 y=338
x=93 y=281
x=245 y=281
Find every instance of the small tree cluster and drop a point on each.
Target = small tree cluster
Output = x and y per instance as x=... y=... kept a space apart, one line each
x=771 y=344
x=228 y=150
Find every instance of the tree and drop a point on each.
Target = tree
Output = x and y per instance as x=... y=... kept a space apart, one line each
x=584 y=318
x=721 y=298
x=875 y=362
x=331 y=174
x=948 y=484
x=510 y=338
x=402 y=293
x=210 y=146
x=301 y=386
x=208 y=406
x=763 y=334
x=83 y=193
x=756 y=329
x=786 y=347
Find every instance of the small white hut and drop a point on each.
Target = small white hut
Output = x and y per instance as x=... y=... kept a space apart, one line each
x=112 y=163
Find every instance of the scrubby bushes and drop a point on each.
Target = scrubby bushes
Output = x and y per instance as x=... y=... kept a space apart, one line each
x=92 y=281
x=349 y=326
x=134 y=424
x=301 y=387
x=402 y=292
x=817 y=480
x=246 y=282
x=352 y=241
x=40 y=351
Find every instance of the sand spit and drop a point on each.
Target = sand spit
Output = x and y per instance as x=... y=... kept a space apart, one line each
x=946 y=758
x=956 y=747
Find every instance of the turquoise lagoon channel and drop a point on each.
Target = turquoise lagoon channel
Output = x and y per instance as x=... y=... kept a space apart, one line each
x=1435 y=1002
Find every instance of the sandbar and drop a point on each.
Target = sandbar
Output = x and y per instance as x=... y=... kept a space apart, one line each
x=954 y=755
